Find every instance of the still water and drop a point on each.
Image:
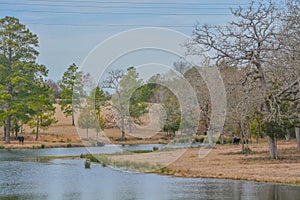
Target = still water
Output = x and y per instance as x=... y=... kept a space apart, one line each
x=68 y=179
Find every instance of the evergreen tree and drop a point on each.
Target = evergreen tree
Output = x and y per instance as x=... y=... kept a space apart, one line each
x=19 y=73
x=72 y=89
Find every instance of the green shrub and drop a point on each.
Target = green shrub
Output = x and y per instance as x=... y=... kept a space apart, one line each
x=42 y=146
x=91 y=158
x=164 y=138
x=200 y=140
x=247 y=150
x=155 y=148
x=2 y=147
x=228 y=140
x=69 y=145
x=140 y=151
x=87 y=164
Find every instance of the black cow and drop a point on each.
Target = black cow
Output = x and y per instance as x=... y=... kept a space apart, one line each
x=236 y=140
x=21 y=139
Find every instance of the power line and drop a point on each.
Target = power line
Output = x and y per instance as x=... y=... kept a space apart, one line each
x=134 y=2
x=112 y=6
x=113 y=13
x=110 y=25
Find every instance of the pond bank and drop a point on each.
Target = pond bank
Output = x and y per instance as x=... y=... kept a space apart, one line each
x=227 y=162
x=224 y=161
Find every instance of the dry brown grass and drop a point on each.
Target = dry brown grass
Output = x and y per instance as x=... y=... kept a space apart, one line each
x=225 y=162
x=63 y=133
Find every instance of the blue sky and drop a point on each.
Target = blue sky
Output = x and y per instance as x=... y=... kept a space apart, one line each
x=69 y=29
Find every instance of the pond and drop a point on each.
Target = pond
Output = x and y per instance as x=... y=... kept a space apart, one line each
x=76 y=151
x=68 y=179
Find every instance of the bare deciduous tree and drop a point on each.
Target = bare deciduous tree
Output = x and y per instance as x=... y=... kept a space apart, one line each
x=246 y=42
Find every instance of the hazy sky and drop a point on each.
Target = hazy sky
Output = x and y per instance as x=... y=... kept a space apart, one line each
x=69 y=29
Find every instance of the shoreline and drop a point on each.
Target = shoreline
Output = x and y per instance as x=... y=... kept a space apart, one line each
x=223 y=162
x=296 y=184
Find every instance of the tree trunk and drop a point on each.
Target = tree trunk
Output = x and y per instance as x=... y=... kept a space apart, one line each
x=257 y=137
x=209 y=137
x=4 y=129
x=287 y=135
x=297 y=132
x=271 y=140
x=130 y=126
x=37 y=129
x=122 y=128
x=7 y=134
x=16 y=133
x=73 y=120
x=222 y=138
x=242 y=137
x=87 y=133
x=273 y=147
x=249 y=133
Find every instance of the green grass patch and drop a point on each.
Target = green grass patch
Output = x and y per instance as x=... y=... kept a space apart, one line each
x=247 y=151
x=136 y=166
x=140 y=151
x=91 y=157
x=164 y=170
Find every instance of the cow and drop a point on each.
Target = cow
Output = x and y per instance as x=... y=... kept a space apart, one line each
x=236 y=140
x=21 y=139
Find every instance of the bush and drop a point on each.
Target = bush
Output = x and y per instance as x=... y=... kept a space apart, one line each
x=2 y=147
x=164 y=138
x=228 y=140
x=42 y=146
x=69 y=145
x=247 y=150
x=89 y=157
x=199 y=139
x=155 y=148
x=87 y=164
x=140 y=151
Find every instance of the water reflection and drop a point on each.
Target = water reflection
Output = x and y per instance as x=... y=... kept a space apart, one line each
x=67 y=179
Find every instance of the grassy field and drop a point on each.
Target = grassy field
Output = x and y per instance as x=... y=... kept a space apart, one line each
x=63 y=134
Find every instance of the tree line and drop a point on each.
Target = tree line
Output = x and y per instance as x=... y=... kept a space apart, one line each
x=257 y=54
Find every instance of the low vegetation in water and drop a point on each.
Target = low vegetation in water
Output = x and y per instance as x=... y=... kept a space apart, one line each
x=87 y=164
